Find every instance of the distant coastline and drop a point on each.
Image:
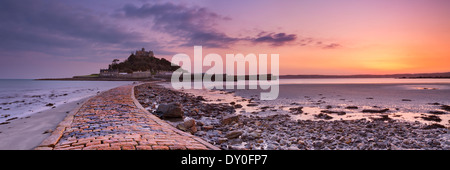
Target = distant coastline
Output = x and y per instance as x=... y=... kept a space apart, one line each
x=96 y=79
x=445 y=75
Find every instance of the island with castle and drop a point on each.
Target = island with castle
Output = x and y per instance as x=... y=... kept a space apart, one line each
x=141 y=65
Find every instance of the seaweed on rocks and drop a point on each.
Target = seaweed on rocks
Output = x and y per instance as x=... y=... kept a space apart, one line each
x=323 y=116
x=296 y=110
x=375 y=111
x=437 y=112
x=432 y=118
x=434 y=126
x=445 y=107
x=333 y=112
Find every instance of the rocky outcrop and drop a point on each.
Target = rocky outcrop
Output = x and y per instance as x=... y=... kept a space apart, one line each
x=171 y=110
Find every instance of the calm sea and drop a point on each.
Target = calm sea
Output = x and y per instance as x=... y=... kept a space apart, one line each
x=22 y=97
x=363 y=81
x=329 y=81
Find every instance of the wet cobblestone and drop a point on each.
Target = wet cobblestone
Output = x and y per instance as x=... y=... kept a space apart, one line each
x=112 y=121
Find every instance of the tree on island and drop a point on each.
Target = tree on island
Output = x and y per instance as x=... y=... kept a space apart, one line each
x=114 y=62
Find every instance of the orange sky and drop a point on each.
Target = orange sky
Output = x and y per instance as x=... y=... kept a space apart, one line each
x=373 y=37
x=311 y=36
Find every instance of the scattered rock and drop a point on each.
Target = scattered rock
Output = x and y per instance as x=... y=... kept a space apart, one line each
x=50 y=104
x=227 y=131
x=252 y=104
x=323 y=116
x=189 y=123
x=188 y=126
x=4 y=123
x=48 y=131
x=208 y=127
x=14 y=118
x=200 y=98
x=200 y=133
x=382 y=118
x=375 y=111
x=432 y=118
x=351 y=107
x=296 y=110
x=199 y=123
x=266 y=107
x=5 y=116
x=333 y=112
x=171 y=110
x=434 y=126
x=406 y=100
x=445 y=107
x=318 y=144
x=230 y=119
x=221 y=140
x=233 y=134
x=437 y=112
x=237 y=106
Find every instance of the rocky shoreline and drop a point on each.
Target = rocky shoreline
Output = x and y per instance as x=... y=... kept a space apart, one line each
x=220 y=125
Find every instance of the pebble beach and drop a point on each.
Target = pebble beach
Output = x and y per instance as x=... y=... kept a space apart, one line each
x=232 y=119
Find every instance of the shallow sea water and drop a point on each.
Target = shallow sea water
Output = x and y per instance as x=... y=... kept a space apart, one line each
x=406 y=99
x=23 y=97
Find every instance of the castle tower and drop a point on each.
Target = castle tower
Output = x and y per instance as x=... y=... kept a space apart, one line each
x=144 y=53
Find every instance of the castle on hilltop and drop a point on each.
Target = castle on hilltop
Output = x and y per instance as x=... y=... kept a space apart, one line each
x=141 y=64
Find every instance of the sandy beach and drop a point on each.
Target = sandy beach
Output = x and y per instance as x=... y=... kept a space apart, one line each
x=28 y=132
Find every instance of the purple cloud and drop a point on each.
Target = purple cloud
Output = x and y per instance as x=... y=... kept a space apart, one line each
x=55 y=28
x=193 y=25
x=275 y=39
x=332 y=46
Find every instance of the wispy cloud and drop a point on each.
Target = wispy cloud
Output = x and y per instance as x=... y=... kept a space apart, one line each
x=195 y=25
x=275 y=39
x=332 y=46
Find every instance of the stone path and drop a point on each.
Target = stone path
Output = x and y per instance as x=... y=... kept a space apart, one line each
x=114 y=120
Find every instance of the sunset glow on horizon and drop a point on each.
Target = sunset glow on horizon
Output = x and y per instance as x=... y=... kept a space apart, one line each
x=67 y=38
